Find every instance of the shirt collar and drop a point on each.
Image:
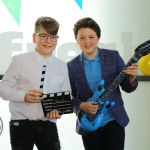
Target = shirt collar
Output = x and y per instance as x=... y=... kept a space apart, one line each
x=39 y=58
x=86 y=60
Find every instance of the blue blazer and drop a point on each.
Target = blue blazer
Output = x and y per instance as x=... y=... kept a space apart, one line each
x=112 y=64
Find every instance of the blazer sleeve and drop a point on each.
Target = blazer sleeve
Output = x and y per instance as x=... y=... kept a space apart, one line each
x=75 y=100
x=125 y=85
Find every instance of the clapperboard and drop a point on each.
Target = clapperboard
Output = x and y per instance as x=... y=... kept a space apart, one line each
x=60 y=101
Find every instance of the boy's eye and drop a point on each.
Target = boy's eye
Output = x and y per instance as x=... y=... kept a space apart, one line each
x=53 y=37
x=43 y=36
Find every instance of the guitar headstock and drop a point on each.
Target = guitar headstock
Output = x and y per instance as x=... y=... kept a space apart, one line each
x=143 y=49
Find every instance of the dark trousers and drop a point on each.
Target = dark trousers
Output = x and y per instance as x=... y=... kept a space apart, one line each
x=109 y=137
x=25 y=133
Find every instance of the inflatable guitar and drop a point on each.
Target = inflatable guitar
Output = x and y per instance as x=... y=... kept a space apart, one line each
x=93 y=122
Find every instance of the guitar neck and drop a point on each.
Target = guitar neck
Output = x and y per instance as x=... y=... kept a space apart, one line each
x=119 y=78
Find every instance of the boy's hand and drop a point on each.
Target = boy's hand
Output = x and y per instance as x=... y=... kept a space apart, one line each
x=33 y=96
x=53 y=115
x=132 y=71
x=89 y=107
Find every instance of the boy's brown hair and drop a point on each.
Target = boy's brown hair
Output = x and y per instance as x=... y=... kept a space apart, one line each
x=86 y=23
x=49 y=24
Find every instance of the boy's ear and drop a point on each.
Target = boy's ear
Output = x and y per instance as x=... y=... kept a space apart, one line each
x=77 y=41
x=34 y=38
x=98 y=40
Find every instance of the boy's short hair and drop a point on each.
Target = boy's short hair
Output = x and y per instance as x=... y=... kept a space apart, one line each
x=49 y=24
x=86 y=23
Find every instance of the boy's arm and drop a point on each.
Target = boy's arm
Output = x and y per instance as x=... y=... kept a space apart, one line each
x=75 y=100
x=126 y=84
x=8 y=90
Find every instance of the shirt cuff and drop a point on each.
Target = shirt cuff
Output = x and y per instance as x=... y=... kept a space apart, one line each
x=20 y=96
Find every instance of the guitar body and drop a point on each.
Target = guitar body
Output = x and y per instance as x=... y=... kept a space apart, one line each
x=93 y=122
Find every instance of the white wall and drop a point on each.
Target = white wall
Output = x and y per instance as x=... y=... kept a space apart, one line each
x=125 y=24
x=137 y=105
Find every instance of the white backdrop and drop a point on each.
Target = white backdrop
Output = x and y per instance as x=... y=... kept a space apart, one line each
x=125 y=24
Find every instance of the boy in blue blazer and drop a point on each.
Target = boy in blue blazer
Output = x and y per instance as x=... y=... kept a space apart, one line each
x=85 y=72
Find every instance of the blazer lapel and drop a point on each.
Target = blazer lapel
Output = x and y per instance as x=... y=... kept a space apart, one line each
x=102 y=60
x=81 y=72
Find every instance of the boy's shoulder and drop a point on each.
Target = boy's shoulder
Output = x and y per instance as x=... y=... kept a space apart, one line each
x=104 y=50
x=108 y=52
x=25 y=54
x=75 y=60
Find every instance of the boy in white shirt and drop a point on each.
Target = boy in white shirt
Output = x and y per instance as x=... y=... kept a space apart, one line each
x=21 y=87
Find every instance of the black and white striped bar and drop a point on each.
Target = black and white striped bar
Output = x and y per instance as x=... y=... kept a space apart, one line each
x=43 y=77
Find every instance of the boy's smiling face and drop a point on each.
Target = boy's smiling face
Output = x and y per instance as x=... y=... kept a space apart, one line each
x=87 y=39
x=44 y=47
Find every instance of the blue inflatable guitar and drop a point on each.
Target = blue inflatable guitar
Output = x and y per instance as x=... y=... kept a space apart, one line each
x=93 y=122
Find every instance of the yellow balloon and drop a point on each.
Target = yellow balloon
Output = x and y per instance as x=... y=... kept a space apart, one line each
x=144 y=65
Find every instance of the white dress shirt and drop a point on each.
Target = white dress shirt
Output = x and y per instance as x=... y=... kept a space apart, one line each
x=23 y=74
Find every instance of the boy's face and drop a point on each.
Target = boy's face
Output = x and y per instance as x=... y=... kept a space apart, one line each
x=87 y=40
x=44 y=47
